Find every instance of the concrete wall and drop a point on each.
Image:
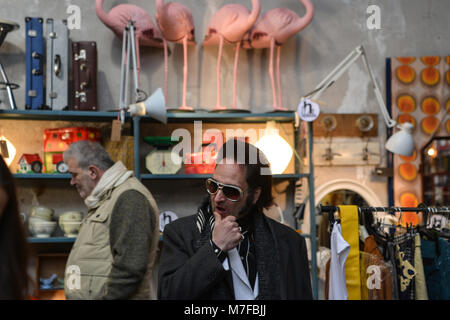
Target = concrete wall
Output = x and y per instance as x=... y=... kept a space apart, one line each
x=407 y=27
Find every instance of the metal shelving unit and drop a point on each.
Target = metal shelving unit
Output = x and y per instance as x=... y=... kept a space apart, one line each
x=51 y=240
x=177 y=117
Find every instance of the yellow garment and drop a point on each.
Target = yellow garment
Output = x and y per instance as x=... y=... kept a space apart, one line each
x=421 y=287
x=350 y=232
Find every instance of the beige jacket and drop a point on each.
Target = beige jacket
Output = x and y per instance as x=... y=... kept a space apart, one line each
x=90 y=260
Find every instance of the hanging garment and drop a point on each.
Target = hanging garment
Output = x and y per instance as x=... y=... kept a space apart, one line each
x=350 y=232
x=376 y=280
x=404 y=254
x=436 y=264
x=324 y=233
x=339 y=251
x=390 y=251
x=421 y=287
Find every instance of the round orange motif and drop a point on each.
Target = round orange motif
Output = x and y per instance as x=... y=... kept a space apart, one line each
x=410 y=218
x=406 y=60
x=430 y=76
x=430 y=105
x=406 y=117
x=429 y=124
x=447 y=125
x=405 y=74
x=407 y=171
x=409 y=158
x=447 y=76
x=408 y=199
x=447 y=59
x=430 y=60
x=406 y=103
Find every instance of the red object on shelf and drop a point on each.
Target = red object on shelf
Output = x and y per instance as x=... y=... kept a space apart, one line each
x=56 y=141
x=198 y=165
x=204 y=162
x=30 y=163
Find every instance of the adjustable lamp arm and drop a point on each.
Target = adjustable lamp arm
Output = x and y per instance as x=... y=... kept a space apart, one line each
x=401 y=142
x=389 y=122
x=337 y=73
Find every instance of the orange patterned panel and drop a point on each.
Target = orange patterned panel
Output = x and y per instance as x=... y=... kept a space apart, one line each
x=405 y=74
x=447 y=125
x=406 y=117
x=409 y=158
x=429 y=124
x=430 y=106
x=406 y=103
x=407 y=171
x=406 y=60
x=430 y=76
x=430 y=60
x=408 y=199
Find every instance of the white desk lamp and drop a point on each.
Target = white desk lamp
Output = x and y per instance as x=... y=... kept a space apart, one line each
x=400 y=142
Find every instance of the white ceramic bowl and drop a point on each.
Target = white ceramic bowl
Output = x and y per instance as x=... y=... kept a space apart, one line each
x=32 y=220
x=38 y=219
x=42 y=229
x=42 y=212
x=70 y=228
x=71 y=216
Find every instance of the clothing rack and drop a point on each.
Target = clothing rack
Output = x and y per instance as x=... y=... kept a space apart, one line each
x=399 y=248
x=391 y=210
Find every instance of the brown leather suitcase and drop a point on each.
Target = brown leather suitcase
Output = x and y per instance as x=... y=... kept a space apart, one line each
x=84 y=73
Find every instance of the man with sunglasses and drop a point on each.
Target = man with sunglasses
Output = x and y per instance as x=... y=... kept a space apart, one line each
x=230 y=249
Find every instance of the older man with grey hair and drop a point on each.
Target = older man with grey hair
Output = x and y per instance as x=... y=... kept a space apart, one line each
x=114 y=253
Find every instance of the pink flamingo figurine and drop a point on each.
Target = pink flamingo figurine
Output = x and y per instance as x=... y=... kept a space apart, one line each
x=177 y=25
x=275 y=27
x=230 y=24
x=117 y=20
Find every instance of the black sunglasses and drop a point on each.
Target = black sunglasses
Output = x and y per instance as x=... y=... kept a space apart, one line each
x=232 y=193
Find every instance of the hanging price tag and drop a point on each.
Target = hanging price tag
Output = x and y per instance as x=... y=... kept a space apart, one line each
x=4 y=149
x=165 y=218
x=307 y=110
x=116 y=130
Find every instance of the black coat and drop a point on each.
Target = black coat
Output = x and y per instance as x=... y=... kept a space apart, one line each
x=189 y=269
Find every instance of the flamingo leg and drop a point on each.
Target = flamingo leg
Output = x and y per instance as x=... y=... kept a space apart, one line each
x=272 y=81
x=280 y=98
x=219 y=59
x=166 y=70
x=236 y=58
x=185 y=73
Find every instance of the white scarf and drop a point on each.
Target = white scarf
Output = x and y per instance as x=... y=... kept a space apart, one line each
x=112 y=178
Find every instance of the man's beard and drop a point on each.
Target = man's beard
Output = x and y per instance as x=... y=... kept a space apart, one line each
x=248 y=207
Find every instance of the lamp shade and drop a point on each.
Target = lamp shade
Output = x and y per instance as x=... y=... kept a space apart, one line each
x=277 y=150
x=401 y=142
x=154 y=107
